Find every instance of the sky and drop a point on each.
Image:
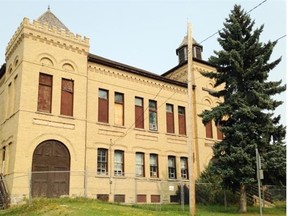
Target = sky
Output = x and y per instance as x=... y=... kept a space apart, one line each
x=145 y=34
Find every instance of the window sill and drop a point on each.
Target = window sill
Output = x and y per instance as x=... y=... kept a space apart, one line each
x=103 y=124
x=120 y=177
x=154 y=179
x=119 y=126
x=140 y=129
x=171 y=134
x=43 y=113
x=153 y=131
x=66 y=117
x=101 y=176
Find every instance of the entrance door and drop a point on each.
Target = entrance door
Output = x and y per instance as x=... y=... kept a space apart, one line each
x=49 y=159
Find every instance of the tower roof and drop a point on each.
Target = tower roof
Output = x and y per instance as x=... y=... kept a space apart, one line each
x=49 y=18
x=185 y=42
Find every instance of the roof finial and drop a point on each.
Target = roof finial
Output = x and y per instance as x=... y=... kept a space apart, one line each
x=48 y=7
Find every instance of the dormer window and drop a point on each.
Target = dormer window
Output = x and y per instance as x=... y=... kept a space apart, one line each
x=197 y=52
x=182 y=54
x=182 y=50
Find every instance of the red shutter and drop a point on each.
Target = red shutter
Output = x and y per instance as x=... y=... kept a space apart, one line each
x=219 y=133
x=45 y=93
x=170 y=122
x=103 y=110
x=208 y=127
x=67 y=97
x=182 y=124
x=139 y=117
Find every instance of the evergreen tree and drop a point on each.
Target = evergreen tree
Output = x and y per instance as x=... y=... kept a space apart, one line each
x=246 y=113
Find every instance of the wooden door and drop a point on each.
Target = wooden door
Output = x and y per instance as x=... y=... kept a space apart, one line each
x=49 y=159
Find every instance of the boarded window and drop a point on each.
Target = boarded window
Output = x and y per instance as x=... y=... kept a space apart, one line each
x=119 y=198
x=184 y=168
x=103 y=197
x=67 y=97
x=141 y=198
x=45 y=93
x=140 y=164
x=119 y=109
x=155 y=198
x=219 y=133
x=102 y=161
x=154 y=165
x=170 y=118
x=182 y=120
x=139 y=113
x=103 y=106
x=171 y=167
x=118 y=163
x=208 y=127
x=153 y=115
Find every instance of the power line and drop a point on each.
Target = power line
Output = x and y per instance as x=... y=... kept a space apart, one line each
x=222 y=28
x=281 y=38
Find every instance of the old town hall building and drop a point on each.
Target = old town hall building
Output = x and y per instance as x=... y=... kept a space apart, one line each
x=74 y=123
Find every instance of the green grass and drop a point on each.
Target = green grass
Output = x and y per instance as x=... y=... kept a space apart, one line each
x=87 y=207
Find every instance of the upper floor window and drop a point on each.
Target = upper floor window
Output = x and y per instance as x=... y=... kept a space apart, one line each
x=171 y=167
x=103 y=106
x=219 y=133
x=102 y=161
x=139 y=113
x=170 y=118
x=209 y=132
x=153 y=115
x=44 y=93
x=119 y=109
x=118 y=163
x=182 y=120
x=67 y=97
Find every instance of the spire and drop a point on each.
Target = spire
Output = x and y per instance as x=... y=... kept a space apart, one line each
x=49 y=18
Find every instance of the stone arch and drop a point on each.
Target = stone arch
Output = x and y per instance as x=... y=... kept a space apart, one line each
x=207 y=101
x=46 y=59
x=68 y=65
x=50 y=169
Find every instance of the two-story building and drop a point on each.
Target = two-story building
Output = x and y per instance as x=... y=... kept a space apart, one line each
x=74 y=123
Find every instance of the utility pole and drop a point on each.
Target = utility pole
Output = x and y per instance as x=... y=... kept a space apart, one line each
x=259 y=177
x=191 y=160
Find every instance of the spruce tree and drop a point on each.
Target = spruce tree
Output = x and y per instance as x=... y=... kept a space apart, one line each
x=246 y=115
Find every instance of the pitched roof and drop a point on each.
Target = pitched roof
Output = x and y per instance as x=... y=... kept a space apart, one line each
x=49 y=18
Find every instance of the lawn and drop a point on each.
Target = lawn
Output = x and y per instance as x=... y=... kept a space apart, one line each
x=87 y=207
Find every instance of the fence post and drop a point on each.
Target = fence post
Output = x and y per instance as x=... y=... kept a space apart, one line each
x=182 y=199
x=30 y=187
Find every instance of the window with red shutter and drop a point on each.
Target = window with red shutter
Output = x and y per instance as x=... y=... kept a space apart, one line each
x=219 y=133
x=67 y=97
x=169 y=118
x=182 y=120
x=208 y=126
x=139 y=113
x=45 y=93
x=103 y=106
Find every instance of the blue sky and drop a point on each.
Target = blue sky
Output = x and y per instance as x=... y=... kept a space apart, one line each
x=145 y=34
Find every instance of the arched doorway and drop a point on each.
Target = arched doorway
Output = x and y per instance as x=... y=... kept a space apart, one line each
x=49 y=159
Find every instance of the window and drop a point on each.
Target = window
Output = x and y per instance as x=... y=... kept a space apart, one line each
x=219 y=133
x=45 y=93
x=153 y=115
x=184 y=167
x=139 y=113
x=102 y=161
x=169 y=118
x=155 y=198
x=171 y=167
x=197 y=52
x=119 y=109
x=118 y=163
x=181 y=120
x=208 y=127
x=103 y=106
x=141 y=198
x=140 y=168
x=67 y=97
x=119 y=198
x=154 y=165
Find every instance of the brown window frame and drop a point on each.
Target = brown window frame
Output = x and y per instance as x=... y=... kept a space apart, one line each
x=182 y=120
x=209 y=130
x=42 y=85
x=102 y=165
x=153 y=114
x=154 y=168
x=172 y=172
x=103 y=106
x=220 y=135
x=139 y=113
x=117 y=104
x=67 y=108
x=117 y=171
x=170 y=118
x=184 y=169
x=140 y=166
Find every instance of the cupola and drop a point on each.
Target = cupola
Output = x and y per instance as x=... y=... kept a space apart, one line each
x=182 y=50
